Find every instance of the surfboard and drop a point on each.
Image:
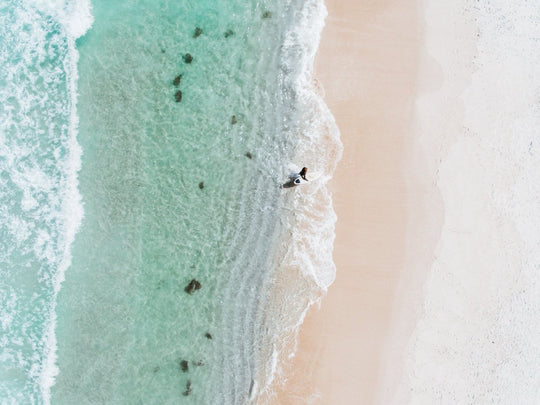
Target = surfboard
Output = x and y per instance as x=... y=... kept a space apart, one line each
x=296 y=180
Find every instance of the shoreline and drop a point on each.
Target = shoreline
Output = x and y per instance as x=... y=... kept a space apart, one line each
x=436 y=241
x=303 y=263
x=368 y=62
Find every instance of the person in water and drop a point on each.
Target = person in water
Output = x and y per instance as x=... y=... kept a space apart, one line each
x=296 y=178
x=303 y=173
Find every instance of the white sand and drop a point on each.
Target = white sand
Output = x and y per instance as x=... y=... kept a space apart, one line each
x=478 y=340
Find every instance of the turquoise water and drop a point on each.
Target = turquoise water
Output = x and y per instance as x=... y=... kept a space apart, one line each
x=172 y=190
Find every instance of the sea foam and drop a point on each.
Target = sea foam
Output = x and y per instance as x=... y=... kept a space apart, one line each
x=76 y=18
x=303 y=263
x=40 y=159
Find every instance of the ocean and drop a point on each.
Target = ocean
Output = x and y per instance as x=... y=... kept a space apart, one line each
x=149 y=253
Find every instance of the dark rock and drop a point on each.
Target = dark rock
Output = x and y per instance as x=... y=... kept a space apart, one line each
x=198 y=32
x=228 y=33
x=208 y=335
x=178 y=96
x=201 y=185
x=188 y=389
x=248 y=155
x=233 y=120
x=267 y=14
x=184 y=365
x=193 y=285
x=187 y=58
x=176 y=80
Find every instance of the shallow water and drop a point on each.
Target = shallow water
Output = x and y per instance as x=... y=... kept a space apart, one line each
x=172 y=191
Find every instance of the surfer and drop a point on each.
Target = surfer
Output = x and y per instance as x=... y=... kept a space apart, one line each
x=296 y=179
x=303 y=173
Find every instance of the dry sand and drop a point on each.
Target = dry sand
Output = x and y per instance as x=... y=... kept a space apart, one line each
x=368 y=63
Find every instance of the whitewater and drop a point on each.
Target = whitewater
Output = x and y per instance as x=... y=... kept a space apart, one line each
x=41 y=208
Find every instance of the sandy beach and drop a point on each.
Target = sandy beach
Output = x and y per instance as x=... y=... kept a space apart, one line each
x=436 y=294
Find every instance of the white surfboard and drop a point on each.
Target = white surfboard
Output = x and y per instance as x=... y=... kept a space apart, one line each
x=296 y=180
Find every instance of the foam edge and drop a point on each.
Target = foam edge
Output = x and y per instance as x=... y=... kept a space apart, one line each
x=76 y=18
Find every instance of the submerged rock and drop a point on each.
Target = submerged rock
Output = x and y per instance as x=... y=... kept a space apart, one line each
x=208 y=335
x=248 y=155
x=188 y=389
x=193 y=285
x=198 y=32
x=184 y=365
x=187 y=58
x=228 y=33
x=267 y=14
x=178 y=96
x=233 y=120
x=201 y=185
x=176 y=80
